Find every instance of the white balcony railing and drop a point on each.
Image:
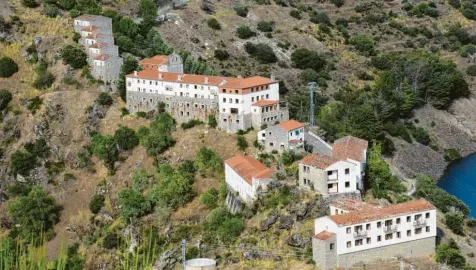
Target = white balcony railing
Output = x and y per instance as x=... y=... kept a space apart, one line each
x=389 y=229
x=419 y=223
x=360 y=234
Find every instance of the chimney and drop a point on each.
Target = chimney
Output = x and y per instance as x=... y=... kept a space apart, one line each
x=272 y=77
x=135 y=73
x=161 y=76
x=179 y=77
x=206 y=80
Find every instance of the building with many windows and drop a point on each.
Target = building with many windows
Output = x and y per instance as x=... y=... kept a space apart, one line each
x=372 y=233
x=288 y=135
x=237 y=103
x=340 y=172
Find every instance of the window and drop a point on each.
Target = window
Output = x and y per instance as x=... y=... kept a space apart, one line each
x=224 y=90
x=234 y=110
x=253 y=99
x=331 y=246
x=347 y=171
x=418 y=217
x=267 y=96
x=427 y=215
x=195 y=87
x=224 y=100
x=379 y=224
x=237 y=101
x=409 y=232
x=367 y=227
x=347 y=184
x=349 y=244
x=389 y=236
x=348 y=230
x=398 y=234
x=359 y=242
x=409 y=219
x=418 y=231
x=230 y=100
x=329 y=173
x=329 y=186
x=379 y=238
x=368 y=241
x=398 y=220
x=236 y=91
x=270 y=144
x=224 y=119
x=427 y=229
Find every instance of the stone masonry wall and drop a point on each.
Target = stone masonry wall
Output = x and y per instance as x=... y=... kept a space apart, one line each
x=277 y=137
x=323 y=256
x=417 y=248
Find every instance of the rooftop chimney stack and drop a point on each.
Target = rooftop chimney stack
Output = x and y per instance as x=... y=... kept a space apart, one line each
x=206 y=80
x=179 y=77
x=135 y=73
x=161 y=76
x=273 y=78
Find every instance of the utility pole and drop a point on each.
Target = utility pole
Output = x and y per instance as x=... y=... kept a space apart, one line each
x=312 y=89
x=184 y=243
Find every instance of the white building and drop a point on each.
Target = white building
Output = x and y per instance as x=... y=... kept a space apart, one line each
x=341 y=172
x=374 y=233
x=246 y=175
x=288 y=135
x=238 y=103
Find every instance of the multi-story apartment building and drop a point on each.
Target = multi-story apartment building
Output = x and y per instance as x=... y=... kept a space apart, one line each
x=288 y=135
x=340 y=172
x=237 y=103
x=374 y=233
x=103 y=56
x=244 y=175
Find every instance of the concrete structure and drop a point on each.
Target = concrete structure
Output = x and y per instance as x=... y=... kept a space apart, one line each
x=103 y=56
x=200 y=264
x=341 y=172
x=171 y=63
x=375 y=233
x=247 y=177
x=238 y=103
x=288 y=135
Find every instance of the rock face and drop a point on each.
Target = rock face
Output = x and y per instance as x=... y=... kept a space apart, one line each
x=166 y=261
x=256 y=255
x=285 y=223
x=298 y=240
x=267 y=223
x=95 y=112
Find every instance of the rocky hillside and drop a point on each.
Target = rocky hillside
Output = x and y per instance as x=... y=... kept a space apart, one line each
x=57 y=129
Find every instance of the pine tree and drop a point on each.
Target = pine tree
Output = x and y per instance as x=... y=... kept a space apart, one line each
x=409 y=101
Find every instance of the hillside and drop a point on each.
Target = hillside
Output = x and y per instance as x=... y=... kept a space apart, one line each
x=62 y=126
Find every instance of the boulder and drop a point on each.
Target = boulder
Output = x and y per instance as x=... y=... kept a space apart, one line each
x=285 y=223
x=297 y=240
x=255 y=255
x=267 y=223
x=166 y=261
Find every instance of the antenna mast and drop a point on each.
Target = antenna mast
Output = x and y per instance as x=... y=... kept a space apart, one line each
x=312 y=89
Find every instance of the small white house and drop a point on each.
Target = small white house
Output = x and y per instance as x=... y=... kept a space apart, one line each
x=245 y=175
x=375 y=233
x=288 y=135
x=341 y=172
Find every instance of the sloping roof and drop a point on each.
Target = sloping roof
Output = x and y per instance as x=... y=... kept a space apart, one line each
x=98 y=45
x=90 y=28
x=156 y=60
x=324 y=235
x=353 y=205
x=319 y=161
x=381 y=213
x=290 y=125
x=249 y=167
x=240 y=83
x=349 y=147
x=102 y=57
x=263 y=102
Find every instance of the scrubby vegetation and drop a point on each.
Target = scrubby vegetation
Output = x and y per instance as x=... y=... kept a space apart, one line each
x=7 y=67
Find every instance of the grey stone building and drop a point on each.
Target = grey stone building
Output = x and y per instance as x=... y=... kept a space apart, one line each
x=288 y=135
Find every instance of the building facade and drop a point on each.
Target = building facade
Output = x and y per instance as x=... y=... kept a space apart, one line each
x=247 y=176
x=103 y=56
x=288 y=135
x=237 y=103
x=164 y=63
x=375 y=233
x=340 y=172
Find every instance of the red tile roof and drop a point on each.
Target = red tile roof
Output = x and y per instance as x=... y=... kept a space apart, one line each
x=98 y=45
x=249 y=168
x=295 y=141
x=324 y=235
x=102 y=57
x=240 y=83
x=353 y=205
x=382 y=213
x=290 y=125
x=318 y=161
x=94 y=36
x=156 y=60
x=263 y=102
x=90 y=28
x=349 y=147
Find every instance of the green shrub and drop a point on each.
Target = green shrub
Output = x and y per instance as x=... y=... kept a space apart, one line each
x=213 y=24
x=342 y=22
x=96 y=203
x=224 y=224
x=22 y=162
x=304 y=59
x=364 y=44
x=338 y=3
x=44 y=79
x=111 y=241
x=450 y=256
x=212 y=121
x=262 y=52
x=133 y=204
x=320 y=17
x=158 y=137
x=242 y=11
x=265 y=26
x=190 y=124
x=5 y=98
x=471 y=70
x=74 y=56
x=104 y=99
x=8 y=67
x=29 y=3
x=455 y=221
x=241 y=142
x=452 y=154
x=210 y=198
x=471 y=223
x=244 y=32
x=51 y=11
x=34 y=104
x=67 y=4
x=295 y=14
x=105 y=148
x=421 y=136
x=221 y=55
x=141 y=114
x=208 y=163
x=126 y=138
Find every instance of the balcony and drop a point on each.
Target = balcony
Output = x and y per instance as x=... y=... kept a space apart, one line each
x=360 y=234
x=419 y=223
x=390 y=228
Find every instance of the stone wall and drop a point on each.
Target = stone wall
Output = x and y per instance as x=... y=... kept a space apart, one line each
x=417 y=248
x=323 y=256
x=183 y=109
x=269 y=118
x=234 y=122
x=277 y=137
